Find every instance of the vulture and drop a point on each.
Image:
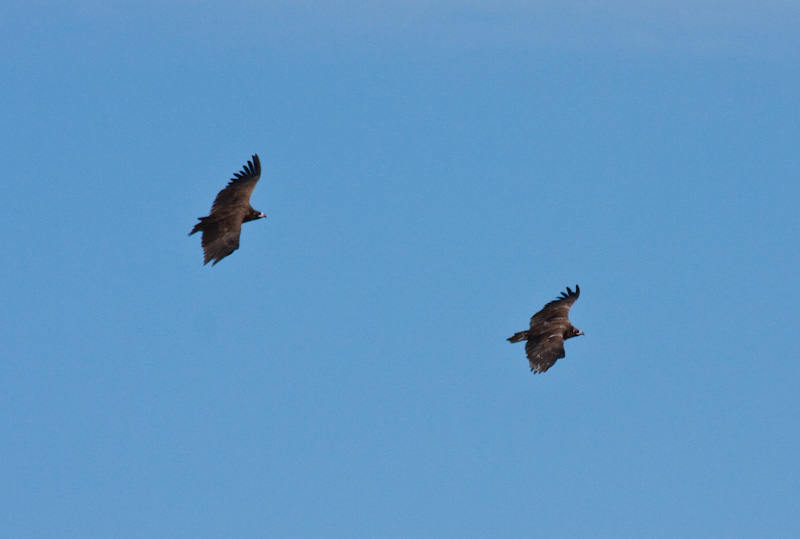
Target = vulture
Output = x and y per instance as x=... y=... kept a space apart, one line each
x=550 y=327
x=231 y=208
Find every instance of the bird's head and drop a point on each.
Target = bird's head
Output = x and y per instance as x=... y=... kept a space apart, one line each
x=252 y=215
x=576 y=332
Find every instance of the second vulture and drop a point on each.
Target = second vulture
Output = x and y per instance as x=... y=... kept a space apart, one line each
x=550 y=327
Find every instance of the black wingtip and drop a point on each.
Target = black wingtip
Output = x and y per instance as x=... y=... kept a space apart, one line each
x=252 y=168
x=569 y=293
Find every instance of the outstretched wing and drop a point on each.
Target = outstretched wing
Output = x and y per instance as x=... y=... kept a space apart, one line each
x=544 y=351
x=220 y=237
x=555 y=313
x=235 y=197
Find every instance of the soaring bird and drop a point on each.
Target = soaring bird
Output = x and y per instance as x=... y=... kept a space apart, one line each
x=550 y=327
x=231 y=208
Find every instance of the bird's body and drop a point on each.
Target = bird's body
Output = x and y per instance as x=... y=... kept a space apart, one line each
x=549 y=328
x=222 y=227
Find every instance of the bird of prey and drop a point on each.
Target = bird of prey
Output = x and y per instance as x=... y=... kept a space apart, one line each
x=550 y=327
x=231 y=208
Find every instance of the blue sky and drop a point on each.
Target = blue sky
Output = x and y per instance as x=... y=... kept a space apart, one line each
x=433 y=173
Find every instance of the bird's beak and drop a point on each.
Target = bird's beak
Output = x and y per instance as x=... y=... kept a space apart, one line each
x=581 y=332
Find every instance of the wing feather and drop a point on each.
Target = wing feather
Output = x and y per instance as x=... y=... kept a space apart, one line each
x=543 y=352
x=557 y=310
x=236 y=194
x=220 y=238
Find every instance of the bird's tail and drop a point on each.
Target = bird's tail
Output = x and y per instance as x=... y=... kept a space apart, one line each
x=199 y=226
x=520 y=336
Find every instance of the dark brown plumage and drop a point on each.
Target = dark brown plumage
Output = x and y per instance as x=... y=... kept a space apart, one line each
x=550 y=327
x=231 y=208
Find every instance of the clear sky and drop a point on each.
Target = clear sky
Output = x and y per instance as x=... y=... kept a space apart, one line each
x=433 y=173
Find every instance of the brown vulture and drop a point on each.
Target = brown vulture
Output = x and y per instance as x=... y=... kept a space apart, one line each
x=231 y=208
x=550 y=327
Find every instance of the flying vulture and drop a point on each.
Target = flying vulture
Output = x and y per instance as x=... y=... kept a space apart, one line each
x=550 y=327
x=231 y=208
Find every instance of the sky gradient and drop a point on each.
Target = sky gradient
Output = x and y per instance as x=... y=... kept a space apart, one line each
x=433 y=174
